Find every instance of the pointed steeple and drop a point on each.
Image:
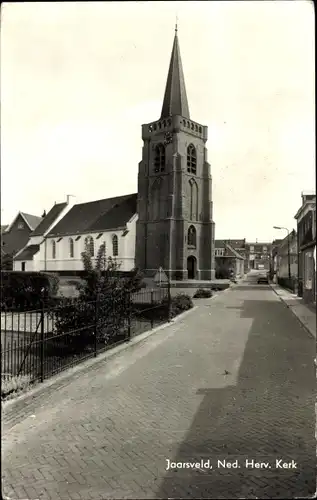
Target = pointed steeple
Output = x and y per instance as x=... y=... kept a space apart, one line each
x=175 y=98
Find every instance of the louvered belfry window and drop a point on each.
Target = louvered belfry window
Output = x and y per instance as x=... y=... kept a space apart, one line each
x=159 y=158
x=191 y=159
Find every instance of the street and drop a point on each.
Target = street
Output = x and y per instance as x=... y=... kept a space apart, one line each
x=230 y=385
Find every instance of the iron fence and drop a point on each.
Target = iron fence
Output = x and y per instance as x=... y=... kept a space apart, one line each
x=288 y=283
x=43 y=342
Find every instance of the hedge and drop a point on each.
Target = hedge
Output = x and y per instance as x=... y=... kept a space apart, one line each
x=27 y=289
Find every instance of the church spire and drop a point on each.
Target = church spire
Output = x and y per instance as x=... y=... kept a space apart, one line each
x=175 y=98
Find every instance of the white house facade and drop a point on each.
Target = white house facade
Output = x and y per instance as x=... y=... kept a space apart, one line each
x=64 y=253
x=66 y=231
x=87 y=226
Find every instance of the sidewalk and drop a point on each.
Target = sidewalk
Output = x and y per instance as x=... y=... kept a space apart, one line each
x=306 y=314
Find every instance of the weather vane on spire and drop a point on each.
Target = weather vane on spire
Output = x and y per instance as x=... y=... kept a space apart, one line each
x=176 y=23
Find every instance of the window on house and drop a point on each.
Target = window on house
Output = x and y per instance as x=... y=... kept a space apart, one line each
x=22 y=266
x=191 y=238
x=251 y=248
x=20 y=225
x=191 y=159
x=159 y=158
x=115 y=249
x=53 y=249
x=90 y=246
x=71 y=248
x=309 y=270
x=219 y=252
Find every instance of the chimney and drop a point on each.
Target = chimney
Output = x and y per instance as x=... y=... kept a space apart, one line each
x=68 y=196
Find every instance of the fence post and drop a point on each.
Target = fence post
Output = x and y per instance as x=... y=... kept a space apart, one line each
x=152 y=301
x=96 y=325
x=129 y=314
x=169 y=299
x=42 y=340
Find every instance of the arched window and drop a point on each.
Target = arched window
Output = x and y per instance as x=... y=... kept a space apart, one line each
x=90 y=246
x=193 y=200
x=159 y=158
x=115 y=249
x=191 y=238
x=191 y=159
x=71 y=248
x=53 y=249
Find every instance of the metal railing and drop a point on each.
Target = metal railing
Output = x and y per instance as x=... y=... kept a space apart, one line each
x=43 y=342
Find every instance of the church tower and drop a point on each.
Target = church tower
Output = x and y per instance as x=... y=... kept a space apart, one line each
x=175 y=228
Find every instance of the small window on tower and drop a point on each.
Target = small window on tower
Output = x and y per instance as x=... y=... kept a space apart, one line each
x=159 y=158
x=191 y=159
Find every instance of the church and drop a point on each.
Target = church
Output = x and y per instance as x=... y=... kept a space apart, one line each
x=168 y=224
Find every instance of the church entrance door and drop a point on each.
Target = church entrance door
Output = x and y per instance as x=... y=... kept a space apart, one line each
x=192 y=267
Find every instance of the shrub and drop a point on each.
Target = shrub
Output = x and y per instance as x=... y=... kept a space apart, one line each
x=26 y=290
x=222 y=273
x=203 y=293
x=102 y=307
x=16 y=384
x=180 y=303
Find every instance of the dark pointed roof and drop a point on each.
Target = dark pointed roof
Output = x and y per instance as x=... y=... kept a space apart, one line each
x=100 y=215
x=175 y=98
x=48 y=220
x=28 y=253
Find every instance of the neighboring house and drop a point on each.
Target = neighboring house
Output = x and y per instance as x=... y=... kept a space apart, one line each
x=281 y=260
x=16 y=236
x=258 y=255
x=274 y=259
x=85 y=227
x=28 y=258
x=240 y=247
x=306 y=230
x=227 y=258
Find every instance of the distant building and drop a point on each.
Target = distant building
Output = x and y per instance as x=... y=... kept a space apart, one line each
x=258 y=255
x=29 y=257
x=227 y=258
x=306 y=230
x=15 y=236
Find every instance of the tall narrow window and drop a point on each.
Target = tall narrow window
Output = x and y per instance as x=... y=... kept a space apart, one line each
x=71 y=248
x=191 y=238
x=159 y=158
x=191 y=159
x=193 y=200
x=53 y=249
x=115 y=249
x=156 y=201
x=90 y=246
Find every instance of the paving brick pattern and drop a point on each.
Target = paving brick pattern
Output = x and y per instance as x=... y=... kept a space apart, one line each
x=232 y=380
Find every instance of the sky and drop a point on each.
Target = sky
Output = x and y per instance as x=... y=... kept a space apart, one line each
x=79 y=79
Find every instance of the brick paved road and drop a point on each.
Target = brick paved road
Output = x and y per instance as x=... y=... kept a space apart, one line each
x=108 y=432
